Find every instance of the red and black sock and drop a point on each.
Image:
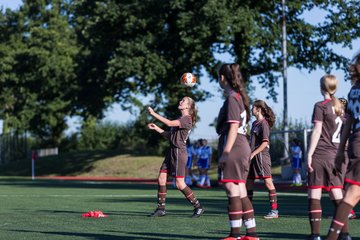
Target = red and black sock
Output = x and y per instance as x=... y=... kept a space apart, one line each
x=161 y=196
x=345 y=228
x=273 y=199
x=248 y=217
x=188 y=193
x=235 y=213
x=340 y=221
x=315 y=213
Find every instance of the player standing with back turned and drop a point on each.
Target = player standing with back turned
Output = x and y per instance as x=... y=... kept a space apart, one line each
x=234 y=151
x=323 y=147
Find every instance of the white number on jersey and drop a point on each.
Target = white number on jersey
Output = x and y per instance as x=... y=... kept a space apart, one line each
x=336 y=135
x=242 y=128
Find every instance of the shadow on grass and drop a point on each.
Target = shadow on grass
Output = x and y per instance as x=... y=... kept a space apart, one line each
x=276 y=235
x=78 y=184
x=117 y=235
x=289 y=205
x=66 y=164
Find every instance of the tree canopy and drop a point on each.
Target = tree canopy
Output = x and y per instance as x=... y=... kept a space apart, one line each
x=75 y=58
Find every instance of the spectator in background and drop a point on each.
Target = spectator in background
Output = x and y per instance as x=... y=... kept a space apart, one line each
x=203 y=163
x=296 y=162
x=191 y=154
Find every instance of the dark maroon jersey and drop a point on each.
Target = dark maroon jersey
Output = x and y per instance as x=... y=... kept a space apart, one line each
x=260 y=132
x=353 y=174
x=354 y=106
x=179 y=135
x=233 y=111
x=331 y=128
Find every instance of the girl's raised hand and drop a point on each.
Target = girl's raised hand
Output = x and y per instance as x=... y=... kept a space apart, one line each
x=152 y=126
x=150 y=110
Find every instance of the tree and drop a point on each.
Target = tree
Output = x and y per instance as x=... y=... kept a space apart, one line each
x=38 y=91
x=142 y=47
x=131 y=48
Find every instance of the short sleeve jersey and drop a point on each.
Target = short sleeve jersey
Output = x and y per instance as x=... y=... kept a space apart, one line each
x=232 y=111
x=205 y=152
x=179 y=135
x=296 y=151
x=260 y=132
x=353 y=108
x=331 y=128
x=190 y=150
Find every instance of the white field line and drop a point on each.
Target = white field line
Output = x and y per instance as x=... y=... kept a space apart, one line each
x=282 y=194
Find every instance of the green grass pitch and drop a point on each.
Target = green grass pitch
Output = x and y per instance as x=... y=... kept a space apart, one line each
x=52 y=210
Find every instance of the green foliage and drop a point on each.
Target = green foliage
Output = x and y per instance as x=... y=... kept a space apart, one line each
x=75 y=58
x=37 y=87
x=130 y=137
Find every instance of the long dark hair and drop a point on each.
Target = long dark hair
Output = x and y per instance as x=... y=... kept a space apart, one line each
x=354 y=69
x=266 y=111
x=233 y=76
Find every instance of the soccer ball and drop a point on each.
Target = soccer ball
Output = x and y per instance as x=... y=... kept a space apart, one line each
x=188 y=79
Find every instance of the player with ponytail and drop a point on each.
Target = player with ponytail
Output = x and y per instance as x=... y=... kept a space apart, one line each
x=324 y=143
x=234 y=151
x=176 y=158
x=260 y=166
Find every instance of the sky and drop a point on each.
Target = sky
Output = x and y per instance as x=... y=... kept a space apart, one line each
x=303 y=90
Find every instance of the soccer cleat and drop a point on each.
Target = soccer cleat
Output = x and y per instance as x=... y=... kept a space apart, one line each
x=198 y=212
x=313 y=237
x=158 y=213
x=344 y=236
x=272 y=214
x=352 y=215
x=298 y=184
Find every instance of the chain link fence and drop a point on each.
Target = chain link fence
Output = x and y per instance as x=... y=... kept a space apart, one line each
x=13 y=147
x=282 y=156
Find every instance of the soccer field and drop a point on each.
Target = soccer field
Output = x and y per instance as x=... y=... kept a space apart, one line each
x=52 y=210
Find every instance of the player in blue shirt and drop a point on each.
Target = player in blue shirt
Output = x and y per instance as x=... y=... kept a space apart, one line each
x=296 y=162
x=203 y=163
